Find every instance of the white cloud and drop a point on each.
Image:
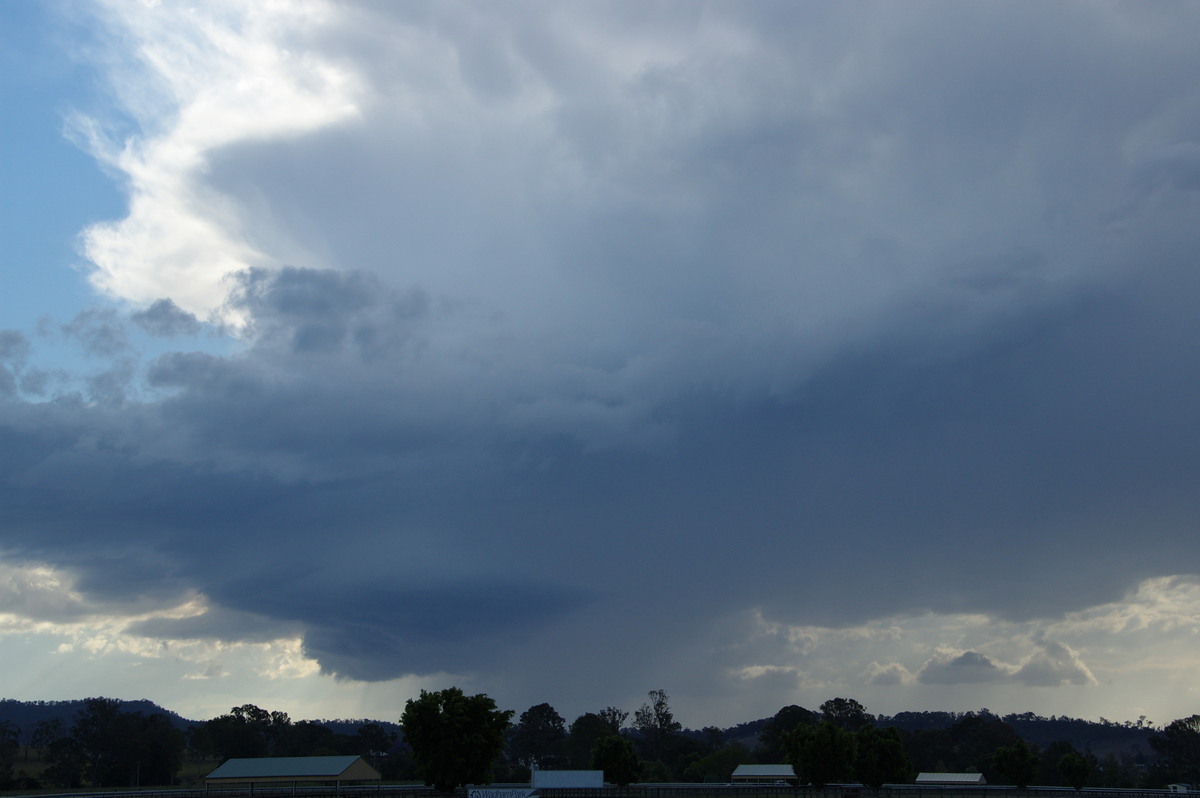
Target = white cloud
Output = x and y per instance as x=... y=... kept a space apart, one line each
x=947 y=666
x=198 y=79
x=1052 y=665
x=45 y=601
x=898 y=662
x=887 y=673
x=663 y=201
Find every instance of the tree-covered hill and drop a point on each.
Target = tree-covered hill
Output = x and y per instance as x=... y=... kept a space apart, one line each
x=25 y=715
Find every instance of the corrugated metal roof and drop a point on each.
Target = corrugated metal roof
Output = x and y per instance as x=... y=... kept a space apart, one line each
x=567 y=779
x=285 y=767
x=950 y=778
x=764 y=772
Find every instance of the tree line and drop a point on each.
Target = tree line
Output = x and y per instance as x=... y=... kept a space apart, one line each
x=447 y=739
x=840 y=742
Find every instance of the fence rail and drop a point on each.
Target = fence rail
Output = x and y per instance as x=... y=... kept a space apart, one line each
x=846 y=791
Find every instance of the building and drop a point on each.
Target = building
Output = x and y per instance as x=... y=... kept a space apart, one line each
x=567 y=779
x=293 y=770
x=763 y=774
x=952 y=779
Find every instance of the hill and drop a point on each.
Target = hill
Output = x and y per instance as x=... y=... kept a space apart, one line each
x=25 y=715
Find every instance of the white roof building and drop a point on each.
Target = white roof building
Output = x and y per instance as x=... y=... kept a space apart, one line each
x=760 y=774
x=292 y=770
x=950 y=778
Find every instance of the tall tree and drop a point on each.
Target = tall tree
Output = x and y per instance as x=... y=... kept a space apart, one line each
x=111 y=748
x=656 y=724
x=153 y=751
x=66 y=762
x=586 y=730
x=770 y=740
x=1074 y=769
x=615 y=756
x=821 y=754
x=374 y=742
x=717 y=765
x=846 y=713
x=10 y=744
x=1179 y=748
x=455 y=739
x=45 y=732
x=95 y=730
x=615 y=718
x=1015 y=764
x=539 y=738
x=966 y=746
x=880 y=757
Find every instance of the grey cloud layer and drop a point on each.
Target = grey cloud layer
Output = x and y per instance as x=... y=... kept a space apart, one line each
x=649 y=321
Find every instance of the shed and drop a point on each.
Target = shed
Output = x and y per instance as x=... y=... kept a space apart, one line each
x=763 y=774
x=292 y=770
x=951 y=779
x=567 y=779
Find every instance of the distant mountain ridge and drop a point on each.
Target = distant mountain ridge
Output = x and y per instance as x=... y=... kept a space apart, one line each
x=1100 y=737
x=27 y=714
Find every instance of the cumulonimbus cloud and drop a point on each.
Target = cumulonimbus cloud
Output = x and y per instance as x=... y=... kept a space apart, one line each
x=791 y=310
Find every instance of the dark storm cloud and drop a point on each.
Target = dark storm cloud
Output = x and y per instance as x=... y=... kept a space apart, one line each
x=381 y=632
x=14 y=347
x=215 y=624
x=835 y=316
x=305 y=310
x=99 y=331
x=945 y=479
x=165 y=319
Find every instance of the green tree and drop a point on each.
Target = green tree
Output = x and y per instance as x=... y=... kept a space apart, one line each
x=1048 y=774
x=656 y=725
x=455 y=739
x=966 y=746
x=1179 y=748
x=240 y=734
x=539 y=738
x=373 y=740
x=1015 y=764
x=96 y=733
x=309 y=738
x=1075 y=769
x=615 y=756
x=111 y=748
x=10 y=745
x=374 y=743
x=821 y=754
x=846 y=713
x=1113 y=772
x=880 y=757
x=153 y=751
x=45 y=732
x=770 y=741
x=586 y=730
x=66 y=761
x=718 y=765
x=615 y=718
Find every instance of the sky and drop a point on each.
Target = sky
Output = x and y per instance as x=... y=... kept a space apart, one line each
x=758 y=352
